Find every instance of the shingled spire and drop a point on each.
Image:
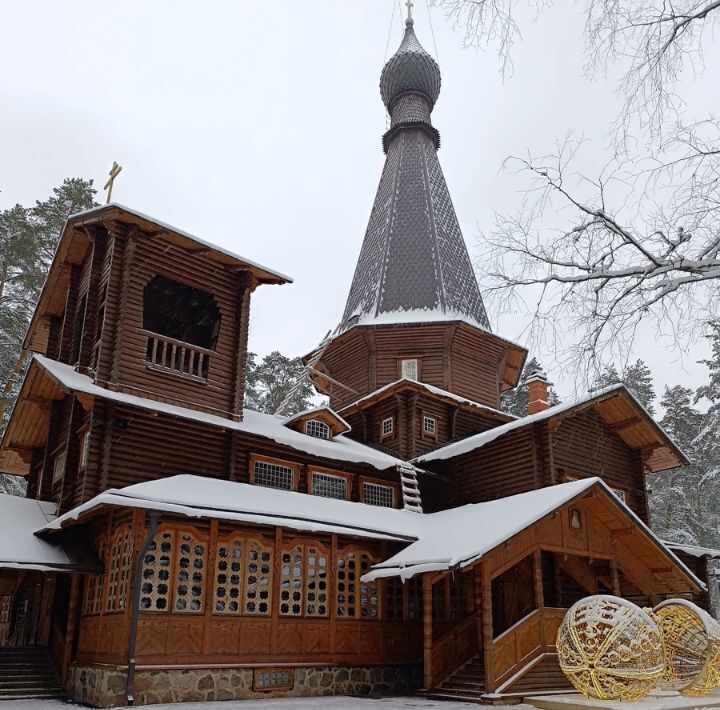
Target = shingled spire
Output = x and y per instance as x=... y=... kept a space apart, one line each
x=414 y=266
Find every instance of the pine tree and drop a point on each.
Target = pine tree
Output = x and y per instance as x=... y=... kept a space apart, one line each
x=677 y=509
x=271 y=379
x=28 y=237
x=515 y=401
x=636 y=377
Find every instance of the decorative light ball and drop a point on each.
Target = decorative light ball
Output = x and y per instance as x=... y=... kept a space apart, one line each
x=692 y=647
x=610 y=649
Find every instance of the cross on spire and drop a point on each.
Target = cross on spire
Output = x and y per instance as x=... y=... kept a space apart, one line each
x=114 y=172
x=409 y=20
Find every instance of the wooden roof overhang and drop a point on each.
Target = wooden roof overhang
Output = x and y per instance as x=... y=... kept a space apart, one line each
x=76 y=238
x=29 y=423
x=434 y=393
x=635 y=426
x=643 y=558
x=511 y=365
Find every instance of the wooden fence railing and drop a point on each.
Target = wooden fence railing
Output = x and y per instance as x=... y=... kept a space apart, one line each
x=453 y=648
x=530 y=637
x=176 y=357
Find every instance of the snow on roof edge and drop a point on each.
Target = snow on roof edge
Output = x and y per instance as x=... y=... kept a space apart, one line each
x=429 y=388
x=182 y=232
x=267 y=426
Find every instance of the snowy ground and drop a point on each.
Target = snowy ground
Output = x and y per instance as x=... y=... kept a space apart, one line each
x=332 y=703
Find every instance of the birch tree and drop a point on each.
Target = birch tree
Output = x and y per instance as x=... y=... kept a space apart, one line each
x=639 y=242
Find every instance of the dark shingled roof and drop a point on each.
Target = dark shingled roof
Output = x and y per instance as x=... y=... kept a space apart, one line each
x=413 y=265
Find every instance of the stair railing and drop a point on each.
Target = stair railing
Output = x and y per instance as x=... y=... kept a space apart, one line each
x=453 y=648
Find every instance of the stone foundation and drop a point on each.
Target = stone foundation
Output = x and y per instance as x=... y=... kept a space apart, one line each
x=104 y=686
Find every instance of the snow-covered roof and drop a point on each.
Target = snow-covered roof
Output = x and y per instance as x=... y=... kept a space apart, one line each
x=455 y=538
x=165 y=226
x=477 y=441
x=19 y=547
x=200 y=497
x=429 y=388
x=340 y=448
x=694 y=550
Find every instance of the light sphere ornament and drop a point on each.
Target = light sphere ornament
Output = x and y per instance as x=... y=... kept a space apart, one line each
x=692 y=647
x=610 y=649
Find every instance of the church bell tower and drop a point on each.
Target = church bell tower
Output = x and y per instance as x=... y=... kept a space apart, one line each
x=414 y=311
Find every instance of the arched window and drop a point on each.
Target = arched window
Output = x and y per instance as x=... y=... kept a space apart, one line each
x=317 y=428
x=180 y=312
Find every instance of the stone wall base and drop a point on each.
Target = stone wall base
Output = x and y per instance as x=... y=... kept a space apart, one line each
x=104 y=686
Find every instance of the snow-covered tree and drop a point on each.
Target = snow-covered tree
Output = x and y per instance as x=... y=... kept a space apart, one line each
x=269 y=381
x=28 y=237
x=596 y=255
x=636 y=377
x=515 y=401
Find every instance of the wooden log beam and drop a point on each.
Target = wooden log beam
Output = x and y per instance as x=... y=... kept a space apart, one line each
x=427 y=631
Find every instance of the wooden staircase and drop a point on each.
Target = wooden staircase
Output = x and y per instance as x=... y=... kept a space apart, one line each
x=541 y=677
x=466 y=683
x=27 y=673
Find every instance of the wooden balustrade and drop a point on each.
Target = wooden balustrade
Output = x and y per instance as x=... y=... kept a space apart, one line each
x=453 y=648
x=530 y=637
x=176 y=357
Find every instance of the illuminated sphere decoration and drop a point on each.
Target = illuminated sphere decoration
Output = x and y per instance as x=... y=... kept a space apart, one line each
x=610 y=649
x=692 y=647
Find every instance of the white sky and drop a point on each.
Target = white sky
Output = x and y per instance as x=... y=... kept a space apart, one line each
x=257 y=125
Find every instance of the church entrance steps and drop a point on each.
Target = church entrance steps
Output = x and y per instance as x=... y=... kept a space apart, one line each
x=541 y=675
x=26 y=673
x=655 y=701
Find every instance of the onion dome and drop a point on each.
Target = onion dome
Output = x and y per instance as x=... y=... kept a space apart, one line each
x=412 y=69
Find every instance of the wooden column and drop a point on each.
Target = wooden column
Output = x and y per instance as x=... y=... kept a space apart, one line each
x=245 y=288
x=427 y=630
x=615 y=577
x=538 y=579
x=71 y=626
x=124 y=287
x=332 y=593
x=210 y=579
x=487 y=625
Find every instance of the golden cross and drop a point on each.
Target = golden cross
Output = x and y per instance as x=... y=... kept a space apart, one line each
x=409 y=4
x=114 y=172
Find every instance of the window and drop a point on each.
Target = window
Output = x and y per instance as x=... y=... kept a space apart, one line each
x=180 y=312
x=273 y=475
x=272 y=679
x=429 y=426
x=120 y=554
x=355 y=599
x=409 y=369
x=181 y=581
x=84 y=448
x=387 y=426
x=59 y=465
x=243 y=577
x=377 y=494
x=314 y=427
x=304 y=581
x=329 y=485
x=94 y=585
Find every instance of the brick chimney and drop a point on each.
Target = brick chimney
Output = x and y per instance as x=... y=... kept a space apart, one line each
x=537 y=392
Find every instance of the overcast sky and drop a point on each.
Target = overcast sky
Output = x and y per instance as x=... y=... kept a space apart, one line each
x=257 y=125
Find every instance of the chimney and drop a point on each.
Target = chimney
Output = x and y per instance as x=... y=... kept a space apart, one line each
x=537 y=385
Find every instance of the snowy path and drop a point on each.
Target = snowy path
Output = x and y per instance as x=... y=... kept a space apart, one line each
x=327 y=703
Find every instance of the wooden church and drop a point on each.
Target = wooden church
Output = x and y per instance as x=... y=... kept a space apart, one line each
x=409 y=536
